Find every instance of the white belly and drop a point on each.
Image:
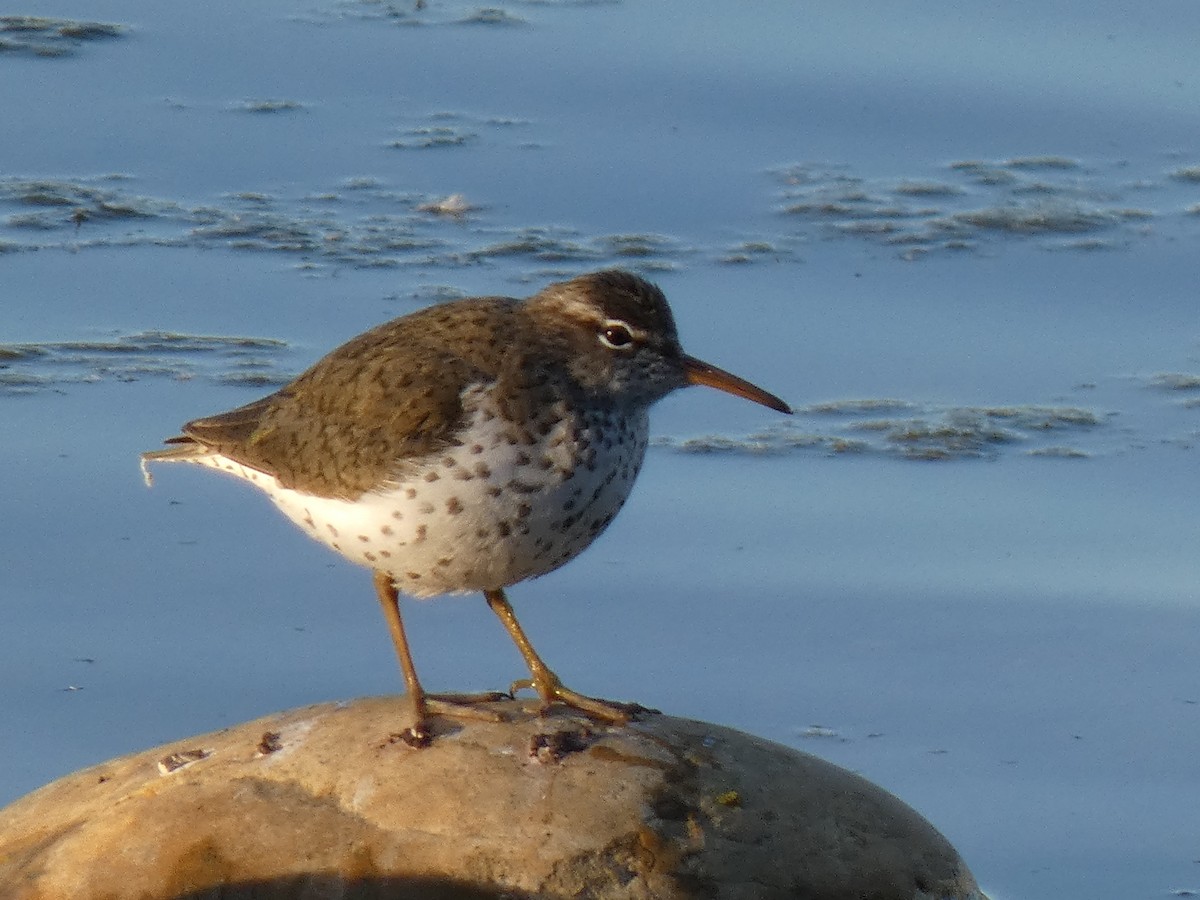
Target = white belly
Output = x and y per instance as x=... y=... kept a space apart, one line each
x=480 y=516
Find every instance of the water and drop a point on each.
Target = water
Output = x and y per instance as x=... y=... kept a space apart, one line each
x=960 y=241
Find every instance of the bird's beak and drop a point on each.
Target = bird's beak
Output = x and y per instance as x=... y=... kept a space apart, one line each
x=699 y=372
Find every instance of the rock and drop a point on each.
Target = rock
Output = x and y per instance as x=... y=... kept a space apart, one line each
x=326 y=802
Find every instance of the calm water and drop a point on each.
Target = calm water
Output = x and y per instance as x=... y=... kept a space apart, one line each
x=961 y=244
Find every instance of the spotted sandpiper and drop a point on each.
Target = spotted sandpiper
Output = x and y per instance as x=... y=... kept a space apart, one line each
x=467 y=447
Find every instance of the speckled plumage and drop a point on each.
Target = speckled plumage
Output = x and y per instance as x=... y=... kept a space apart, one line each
x=471 y=445
x=506 y=505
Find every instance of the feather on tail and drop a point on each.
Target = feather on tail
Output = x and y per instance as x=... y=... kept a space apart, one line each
x=187 y=449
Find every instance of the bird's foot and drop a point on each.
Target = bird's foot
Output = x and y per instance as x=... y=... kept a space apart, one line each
x=466 y=706
x=454 y=706
x=552 y=690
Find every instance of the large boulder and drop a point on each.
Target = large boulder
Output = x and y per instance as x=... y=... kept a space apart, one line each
x=328 y=802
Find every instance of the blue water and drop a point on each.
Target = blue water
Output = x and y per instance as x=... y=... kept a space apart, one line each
x=1003 y=635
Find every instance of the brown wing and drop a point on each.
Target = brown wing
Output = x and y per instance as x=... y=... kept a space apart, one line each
x=350 y=422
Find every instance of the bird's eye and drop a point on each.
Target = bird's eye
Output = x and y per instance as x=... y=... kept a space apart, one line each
x=615 y=335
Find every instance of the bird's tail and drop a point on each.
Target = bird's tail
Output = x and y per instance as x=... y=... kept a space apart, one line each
x=186 y=449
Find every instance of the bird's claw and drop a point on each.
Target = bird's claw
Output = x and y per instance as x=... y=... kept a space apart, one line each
x=552 y=690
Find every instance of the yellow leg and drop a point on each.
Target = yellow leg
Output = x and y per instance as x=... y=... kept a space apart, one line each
x=423 y=705
x=545 y=682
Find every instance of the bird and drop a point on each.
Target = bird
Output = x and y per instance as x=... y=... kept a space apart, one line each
x=467 y=447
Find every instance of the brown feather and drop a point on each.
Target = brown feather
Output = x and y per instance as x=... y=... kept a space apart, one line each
x=346 y=425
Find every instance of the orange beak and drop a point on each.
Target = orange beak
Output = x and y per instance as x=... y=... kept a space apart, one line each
x=699 y=372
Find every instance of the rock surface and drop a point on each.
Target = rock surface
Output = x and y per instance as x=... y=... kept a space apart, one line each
x=325 y=802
